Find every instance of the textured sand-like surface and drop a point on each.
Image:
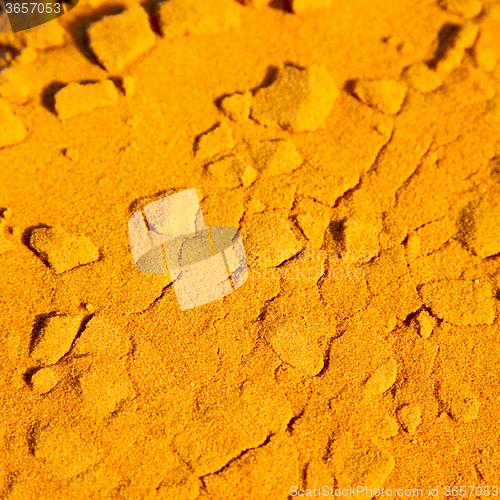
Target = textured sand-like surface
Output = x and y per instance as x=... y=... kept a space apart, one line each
x=356 y=146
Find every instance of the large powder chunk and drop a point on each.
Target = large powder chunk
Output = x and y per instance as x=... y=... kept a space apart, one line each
x=65 y=451
x=480 y=224
x=276 y=157
x=382 y=378
x=271 y=238
x=385 y=95
x=15 y=84
x=61 y=250
x=294 y=324
x=55 y=339
x=12 y=129
x=106 y=384
x=261 y=473
x=118 y=40
x=299 y=99
x=192 y=17
x=464 y=39
x=304 y=6
x=465 y=8
x=366 y=465
x=42 y=37
x=229 y=421
x=237 y=106
x=215 y=141
x=461 y=302
x=75 y=99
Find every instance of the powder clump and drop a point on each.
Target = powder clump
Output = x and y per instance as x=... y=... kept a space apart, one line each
x=192 y=17
x=464 y=39
x=270 y=232
x=119 y=39
x=63 y=251
x=276 y=157
x=215 y=141
x=410 y=417
x=461 y=302
x=55 y=338
x=385 y=95
x=465 y=8
x=480 y=225
x=299 y=99
x=75 y=99
x=44 y=380
x=12 y=129
x=422 y=78
x=304 y=6
x=382 y=378
x=237 y=106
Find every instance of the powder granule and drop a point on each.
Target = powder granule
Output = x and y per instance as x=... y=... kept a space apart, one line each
x=117 y=40
x=12 y=129
x=304 y=6
x=385 y=95
x=72 y=153
x=313 y=219
x=425 y=324
x=192 y=17
x=61 y=250
x=75 y=98
x=299 y=99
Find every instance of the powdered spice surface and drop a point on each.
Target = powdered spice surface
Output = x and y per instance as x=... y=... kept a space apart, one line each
x=356 y=146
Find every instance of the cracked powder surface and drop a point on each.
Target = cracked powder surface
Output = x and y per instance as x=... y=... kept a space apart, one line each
x=356 y=145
